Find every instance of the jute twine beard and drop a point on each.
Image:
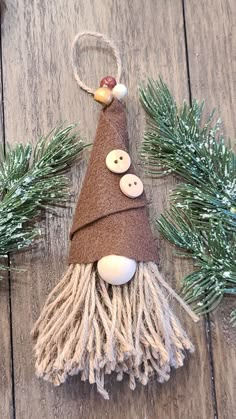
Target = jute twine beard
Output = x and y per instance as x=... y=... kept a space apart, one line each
x=110 y=313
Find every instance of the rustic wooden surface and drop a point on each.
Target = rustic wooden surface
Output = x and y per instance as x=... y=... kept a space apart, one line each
x=192 y=44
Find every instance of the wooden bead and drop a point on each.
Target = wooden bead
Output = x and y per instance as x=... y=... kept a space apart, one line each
x=103 y=95
x=120 y=91
x=108 y=81
x=116 y=270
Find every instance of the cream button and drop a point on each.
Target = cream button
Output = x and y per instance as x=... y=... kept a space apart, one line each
x=131 y=185
x=118 y=161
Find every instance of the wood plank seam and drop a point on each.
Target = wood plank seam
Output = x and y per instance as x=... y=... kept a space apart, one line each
x=207 y=318
x=211 y=361
x=8 y=258
x=186 y=53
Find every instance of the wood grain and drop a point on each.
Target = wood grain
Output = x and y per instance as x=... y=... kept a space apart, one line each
x=211 y=34
x=39 y=91
x=6 y=400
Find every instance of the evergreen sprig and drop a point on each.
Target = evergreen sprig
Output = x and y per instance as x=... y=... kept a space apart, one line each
x=202 y=220
x=33 y=180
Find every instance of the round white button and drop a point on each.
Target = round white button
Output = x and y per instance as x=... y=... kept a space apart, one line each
x=118 y=161
x=116 y=270
x=131 y=185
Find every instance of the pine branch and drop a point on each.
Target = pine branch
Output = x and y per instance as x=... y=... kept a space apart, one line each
x=202 y=220
x=175 y=142
x=214 y=256
x=32 y=180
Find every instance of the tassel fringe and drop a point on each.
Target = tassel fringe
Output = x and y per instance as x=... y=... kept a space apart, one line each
x=90 y=327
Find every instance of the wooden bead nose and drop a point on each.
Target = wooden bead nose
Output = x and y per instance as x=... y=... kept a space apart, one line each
x=116 y=270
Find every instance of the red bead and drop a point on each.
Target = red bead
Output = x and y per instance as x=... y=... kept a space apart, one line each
x=108 y=81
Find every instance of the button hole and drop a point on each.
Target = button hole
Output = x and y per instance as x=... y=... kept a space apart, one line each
x=135 y=183
x=130 y=184
x=116 y=161
x=121 y=158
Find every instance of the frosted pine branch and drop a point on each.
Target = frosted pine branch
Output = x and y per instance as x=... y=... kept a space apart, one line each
x=33 y=179
x=202 y=220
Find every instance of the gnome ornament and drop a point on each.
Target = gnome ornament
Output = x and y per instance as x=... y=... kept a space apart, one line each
x=109 y=313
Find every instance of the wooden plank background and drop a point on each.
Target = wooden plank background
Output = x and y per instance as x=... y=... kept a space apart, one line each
x=192 y=45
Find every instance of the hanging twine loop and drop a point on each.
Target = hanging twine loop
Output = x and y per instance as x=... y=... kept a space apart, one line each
x=108 y=42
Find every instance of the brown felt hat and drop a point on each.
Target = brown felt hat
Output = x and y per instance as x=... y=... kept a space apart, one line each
x=106 y=221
